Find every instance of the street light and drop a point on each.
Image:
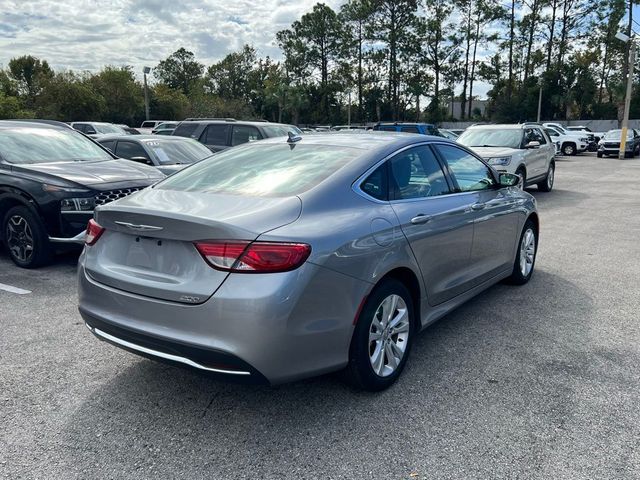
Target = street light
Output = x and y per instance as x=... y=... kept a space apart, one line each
x=627 y=99
x=146 y=70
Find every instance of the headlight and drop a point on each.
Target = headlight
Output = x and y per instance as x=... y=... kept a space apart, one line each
x=47 y=187
x=85 y=204
x=502 y=161
x=584 y=140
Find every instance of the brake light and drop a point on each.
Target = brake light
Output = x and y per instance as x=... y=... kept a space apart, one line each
x=256 y=257
x=94 y=230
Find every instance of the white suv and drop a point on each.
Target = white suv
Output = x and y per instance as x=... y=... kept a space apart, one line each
x=523 y=149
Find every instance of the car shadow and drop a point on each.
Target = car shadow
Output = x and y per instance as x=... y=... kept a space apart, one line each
x=493 y=353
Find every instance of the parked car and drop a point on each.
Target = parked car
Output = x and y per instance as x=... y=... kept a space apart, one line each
x=565 y=143
x=586 y=130
x=421 y=128
x=457 y=131
x=128 y=129
x=167 y=154
x=98 y=129
x=523 y=149
x=610 y=143
x=288 y=258
x=148 y=125
x=219 y=134
x=348 y=127
x=51 y=178
x=571 y=148
x=448 y=134
x=166 y=128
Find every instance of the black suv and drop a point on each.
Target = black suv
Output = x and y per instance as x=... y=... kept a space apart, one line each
x=221 y=133
x=51 y=178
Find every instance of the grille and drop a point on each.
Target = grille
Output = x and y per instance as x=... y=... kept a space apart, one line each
x=611 y=144
x=111 y=195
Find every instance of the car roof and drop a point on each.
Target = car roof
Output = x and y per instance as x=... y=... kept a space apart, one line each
x=116 y=136
x=49 y=123
x=503 y=126
x=400 y=124
x=364 y=140
x=34 y=124
x=231 y=121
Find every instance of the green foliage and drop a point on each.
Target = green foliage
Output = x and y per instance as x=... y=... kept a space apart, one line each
x=179 y=71
x=372 y=60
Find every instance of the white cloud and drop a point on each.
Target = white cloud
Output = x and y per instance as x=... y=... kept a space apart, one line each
x=86 y=35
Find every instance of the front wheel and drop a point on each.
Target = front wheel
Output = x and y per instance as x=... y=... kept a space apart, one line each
x=526 y=256
x=26 y=238
x=382 y=338
x=547 y=184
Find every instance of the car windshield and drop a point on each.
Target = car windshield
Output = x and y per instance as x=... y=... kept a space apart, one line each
x=106 y=128
x=25 y=145
x=491 y=137
x=263 y=170
x=280 y=130
x=170 y=152
x=617 y=134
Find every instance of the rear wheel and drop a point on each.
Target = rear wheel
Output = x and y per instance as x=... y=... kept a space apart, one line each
x=26 y=238
x=382 y=338
x=547 y=184
x=599 y=154
x=569 y=149
x=526 y=256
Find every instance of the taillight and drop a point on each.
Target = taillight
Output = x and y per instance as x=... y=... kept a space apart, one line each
x=94 y=230
x=256 y=257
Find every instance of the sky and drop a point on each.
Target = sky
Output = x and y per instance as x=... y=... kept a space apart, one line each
x=87 y=35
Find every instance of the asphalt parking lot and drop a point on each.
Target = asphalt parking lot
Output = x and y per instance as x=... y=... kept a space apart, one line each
x=540 y=381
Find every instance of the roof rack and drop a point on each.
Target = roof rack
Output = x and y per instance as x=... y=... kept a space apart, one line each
x=226 y=119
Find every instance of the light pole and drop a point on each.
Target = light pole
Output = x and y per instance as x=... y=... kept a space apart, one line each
x=539 y=98
x=627 y=99
x=146 y=70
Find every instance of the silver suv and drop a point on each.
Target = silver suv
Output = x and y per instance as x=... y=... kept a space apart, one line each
x=523 y=149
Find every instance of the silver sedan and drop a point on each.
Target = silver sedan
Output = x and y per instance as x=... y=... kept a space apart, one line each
x=288 y=258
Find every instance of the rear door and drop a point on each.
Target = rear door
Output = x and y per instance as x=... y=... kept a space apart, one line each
x=434 y=221
x=491 y=209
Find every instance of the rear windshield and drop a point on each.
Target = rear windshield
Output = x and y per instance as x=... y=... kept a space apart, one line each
x=280 y=130
x=182 y=150
x=491 y=137
x=262 y=170
x=48 y=145
x=108 y=129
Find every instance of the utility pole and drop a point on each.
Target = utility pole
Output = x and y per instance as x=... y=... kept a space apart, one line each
x=539 y=99
x=627 y=98
x=349 y=110
x=146 y=70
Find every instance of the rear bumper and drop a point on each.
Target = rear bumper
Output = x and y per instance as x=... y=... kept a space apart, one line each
x=278 y=327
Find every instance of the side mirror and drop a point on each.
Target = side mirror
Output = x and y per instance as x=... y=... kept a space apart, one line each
x=532 y=144
x=509 y=179
x=144 y=160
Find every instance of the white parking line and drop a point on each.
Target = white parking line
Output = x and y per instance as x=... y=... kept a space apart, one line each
x=9 y=288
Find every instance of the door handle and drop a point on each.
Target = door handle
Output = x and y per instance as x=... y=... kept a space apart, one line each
x=478 y=206
x=420 y=219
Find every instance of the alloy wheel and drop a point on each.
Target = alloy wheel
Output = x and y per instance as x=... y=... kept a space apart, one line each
x=20 y=238
x=389 y=335
x=527 y=252
x=550 y=177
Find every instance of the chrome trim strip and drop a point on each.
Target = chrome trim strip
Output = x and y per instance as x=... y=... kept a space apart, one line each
x=141 y=228
x=79 y=239
x=168 y=356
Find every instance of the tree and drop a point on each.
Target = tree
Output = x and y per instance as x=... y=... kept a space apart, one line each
x=168 y=103
x=29 y=73
x=69 y=97
x=123 y=96
x=180 y=70
x=231 y=76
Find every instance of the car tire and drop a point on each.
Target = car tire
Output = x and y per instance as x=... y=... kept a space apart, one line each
x=525 y=255
x=373 y=364
x=599 y=154
x=523 y=174
x=569 y=149
x=26 y=238
x=546 y=185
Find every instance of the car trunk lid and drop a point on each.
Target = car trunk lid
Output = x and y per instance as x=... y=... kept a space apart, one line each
x=150 y=250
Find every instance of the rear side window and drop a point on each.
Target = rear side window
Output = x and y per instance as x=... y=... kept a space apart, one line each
x=110 y=144
x=387 y=129
x=130 y=150
x=409 y=129
x=376 y=185
x=215 y=135
x=185 y=129
x=416 y=173
x=148 y=124
x=243 y=134
x=272 y=170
